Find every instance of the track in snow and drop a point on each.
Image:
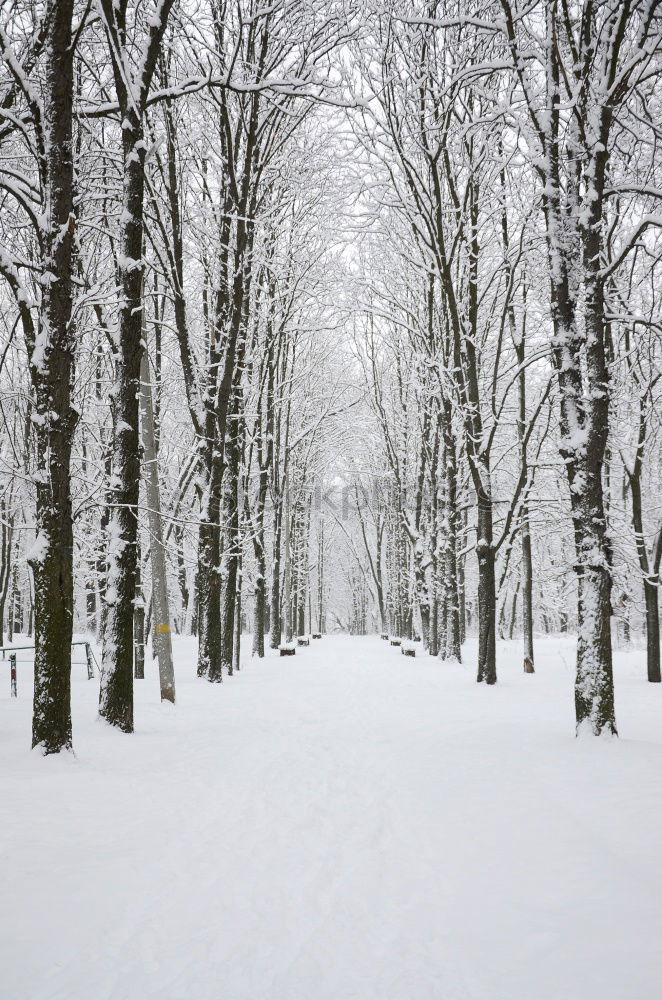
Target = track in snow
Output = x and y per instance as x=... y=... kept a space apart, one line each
x=348 y=823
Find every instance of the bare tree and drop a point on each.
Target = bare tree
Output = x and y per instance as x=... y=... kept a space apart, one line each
x=48 y=327
x=133 y=74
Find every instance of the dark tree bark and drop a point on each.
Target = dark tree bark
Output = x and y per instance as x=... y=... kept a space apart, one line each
x=116 y=694
x=139 y=625
x=598 y=58
x=231 y=540
x=321 y=625
x=209 y=576
x=51 y=352
x=651 y=595
x=264 y=458
x=452 y=644
x=486 y=594
x=6 y=533
x=276 y=623
x=649 y=564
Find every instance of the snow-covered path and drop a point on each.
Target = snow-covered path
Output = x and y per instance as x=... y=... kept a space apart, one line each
x=343 y=824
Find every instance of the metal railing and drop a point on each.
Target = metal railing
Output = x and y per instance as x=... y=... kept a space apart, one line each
x=89 y=661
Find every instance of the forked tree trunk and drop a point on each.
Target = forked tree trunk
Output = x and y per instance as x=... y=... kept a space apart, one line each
x=116 y=693
x=576 y=234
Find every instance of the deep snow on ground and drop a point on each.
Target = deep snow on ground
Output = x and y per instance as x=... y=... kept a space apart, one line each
x=346 y=823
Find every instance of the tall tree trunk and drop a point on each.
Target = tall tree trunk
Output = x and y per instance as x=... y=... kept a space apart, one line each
x=486 y=594
x=5 y=562
x=275 y=637
x=52 y=373
x=576 y=243
x=209 y=578
x=513 y=617
x=161 y=636
x=236 y=648
x=287 y=583
x=651 y=594
x=649 y=565
x=139 y=624
x=230 y=559
x=584 y=436
x=16 y=620
x=259 y=609
x=260 y=592
x=320 y=580
x=116 y=694
x=525 y=529
x=452 y=637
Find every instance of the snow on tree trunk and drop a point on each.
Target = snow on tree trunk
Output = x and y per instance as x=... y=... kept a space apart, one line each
x=161 y=636
x=209 y=577
x=259 y=608
x=525 y=527
x=486 y=594
x=450 y=648
x=116 y=695
x=651 y=594
x=54 y=418
x=231 y=541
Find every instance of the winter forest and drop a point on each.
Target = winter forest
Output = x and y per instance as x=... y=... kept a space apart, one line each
x=331 y=385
